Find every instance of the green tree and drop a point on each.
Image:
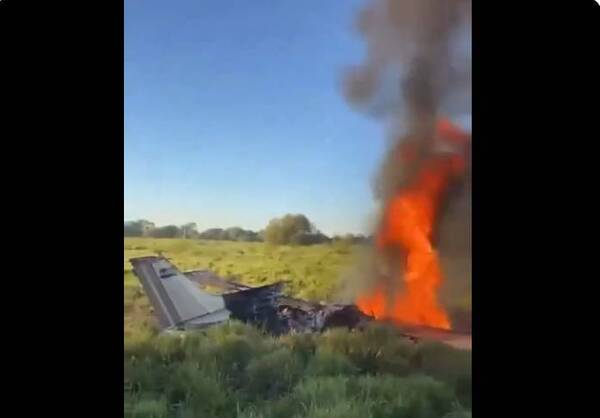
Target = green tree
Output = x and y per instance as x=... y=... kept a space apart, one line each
x=138 y=228
x=212 y=234
x=132 y=229
x=169 y=231
x=283 y=230
x=189 y=230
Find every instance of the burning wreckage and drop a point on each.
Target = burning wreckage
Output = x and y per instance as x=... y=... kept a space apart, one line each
x=179 y=303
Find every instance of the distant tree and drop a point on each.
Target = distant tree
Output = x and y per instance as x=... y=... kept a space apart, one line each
x=230 y=234
x=189 y=230
x=212 y=234
x=146 y=226
x=290 y=229
x=132 y=229
x=360 y=239
x=234 y=233
x=261 y=235
x=320 y=238
x=239 y=234
x=309 y=238
x=251 y=236
x=350 y=239
x=138 y=228
x=169 y=231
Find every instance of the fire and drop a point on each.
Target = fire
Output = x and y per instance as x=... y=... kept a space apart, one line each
x=407 y=227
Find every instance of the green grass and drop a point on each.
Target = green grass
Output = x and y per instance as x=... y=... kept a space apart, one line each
x=235 y=371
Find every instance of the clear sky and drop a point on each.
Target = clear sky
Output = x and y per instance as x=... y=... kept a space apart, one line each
x=234 y=114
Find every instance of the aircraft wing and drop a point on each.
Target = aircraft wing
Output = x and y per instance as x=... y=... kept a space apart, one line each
x=177 y=302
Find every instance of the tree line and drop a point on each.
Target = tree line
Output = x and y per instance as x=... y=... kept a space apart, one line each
x=287 y=230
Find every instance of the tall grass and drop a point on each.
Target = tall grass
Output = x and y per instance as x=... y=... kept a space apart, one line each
x=235 y=370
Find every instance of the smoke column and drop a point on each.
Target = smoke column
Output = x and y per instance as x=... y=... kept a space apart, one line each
x=417 y=69
x=418 y=64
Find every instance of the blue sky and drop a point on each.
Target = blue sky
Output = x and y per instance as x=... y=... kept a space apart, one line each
x=234 y=114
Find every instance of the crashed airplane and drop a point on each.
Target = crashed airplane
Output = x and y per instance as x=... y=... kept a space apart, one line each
x=180 y=304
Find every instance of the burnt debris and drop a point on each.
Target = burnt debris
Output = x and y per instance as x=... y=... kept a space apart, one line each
x=180 y=301
x=268 y=308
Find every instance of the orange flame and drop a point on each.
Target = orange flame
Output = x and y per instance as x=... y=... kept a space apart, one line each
x=408 y=223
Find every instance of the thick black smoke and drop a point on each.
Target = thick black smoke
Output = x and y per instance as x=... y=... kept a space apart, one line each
x=417 y=69
x=418 y=66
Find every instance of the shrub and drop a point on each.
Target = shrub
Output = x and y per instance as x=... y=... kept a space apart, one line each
x=148 y=408
x=195 y=390
x=403 y=397
x=273 y=374
x=371 y=396
x=292 y=229
x=378 y=349
x=326 y=363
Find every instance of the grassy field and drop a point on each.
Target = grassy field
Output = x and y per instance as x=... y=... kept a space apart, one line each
x=235 y=371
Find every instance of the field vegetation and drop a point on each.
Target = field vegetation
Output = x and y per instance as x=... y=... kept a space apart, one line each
x=238 y=371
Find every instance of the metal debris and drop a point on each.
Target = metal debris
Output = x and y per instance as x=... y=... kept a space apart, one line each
x=181 y=304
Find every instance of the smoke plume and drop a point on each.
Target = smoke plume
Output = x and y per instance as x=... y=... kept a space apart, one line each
x=417 y=70
x=417 y=65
